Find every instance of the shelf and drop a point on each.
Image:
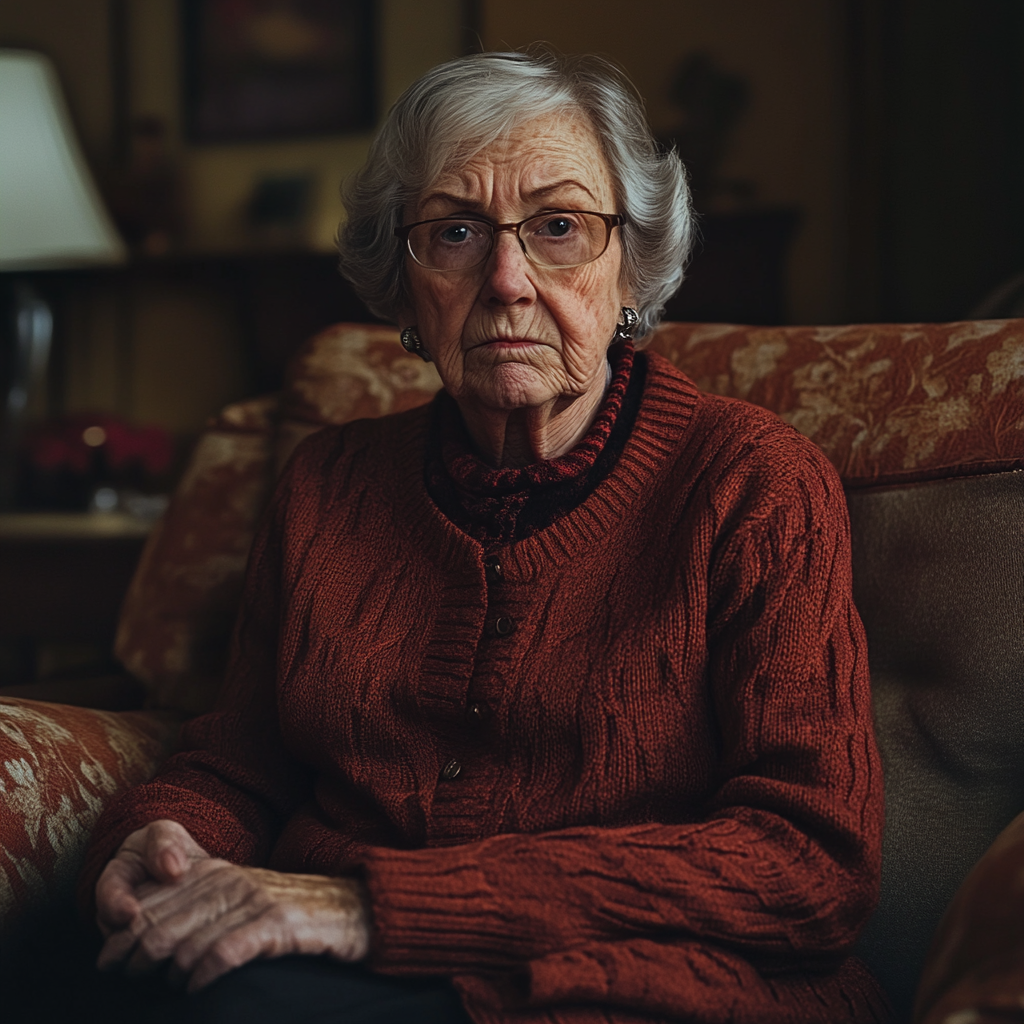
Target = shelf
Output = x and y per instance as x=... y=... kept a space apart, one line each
x=72 y=526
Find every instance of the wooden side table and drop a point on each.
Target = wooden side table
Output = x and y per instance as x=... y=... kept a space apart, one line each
x=63 y=577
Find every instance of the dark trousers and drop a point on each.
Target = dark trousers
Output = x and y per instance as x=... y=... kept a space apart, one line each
x=52 y=979
x=310 y=990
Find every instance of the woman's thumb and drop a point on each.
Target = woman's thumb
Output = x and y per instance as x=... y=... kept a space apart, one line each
x=168 y=854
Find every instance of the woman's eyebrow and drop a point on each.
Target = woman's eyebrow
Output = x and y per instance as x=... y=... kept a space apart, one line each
x=545 y=190
x=460 y=201
x=540 y=192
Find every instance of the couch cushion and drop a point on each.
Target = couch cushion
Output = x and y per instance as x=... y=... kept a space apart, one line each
x=180 y=608
x=975 y=970
x=59 y=766
x=939 y=582
x=884 y=401
x=349 y=372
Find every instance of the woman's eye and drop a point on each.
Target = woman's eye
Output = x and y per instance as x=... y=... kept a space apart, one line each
x=455 y=233
x=556 y=227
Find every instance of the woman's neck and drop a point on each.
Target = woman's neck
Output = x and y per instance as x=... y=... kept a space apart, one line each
x=512 y=438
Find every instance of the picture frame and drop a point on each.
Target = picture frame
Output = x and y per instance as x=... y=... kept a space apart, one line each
x=260 y=70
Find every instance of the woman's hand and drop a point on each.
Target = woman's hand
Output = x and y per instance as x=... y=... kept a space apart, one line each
x=216 y=916
x=159 y=853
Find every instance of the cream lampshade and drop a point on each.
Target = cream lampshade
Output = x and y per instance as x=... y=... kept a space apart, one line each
x=51 y=215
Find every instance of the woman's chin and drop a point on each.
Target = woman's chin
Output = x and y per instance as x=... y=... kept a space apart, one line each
x=511 y=385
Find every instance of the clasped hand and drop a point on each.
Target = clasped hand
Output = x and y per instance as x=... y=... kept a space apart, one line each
x=163 y=897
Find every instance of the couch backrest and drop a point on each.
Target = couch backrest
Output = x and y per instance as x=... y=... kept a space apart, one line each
x=925 y=424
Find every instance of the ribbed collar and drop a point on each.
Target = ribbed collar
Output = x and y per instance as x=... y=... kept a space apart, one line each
x=662 y=428
x=502 y=505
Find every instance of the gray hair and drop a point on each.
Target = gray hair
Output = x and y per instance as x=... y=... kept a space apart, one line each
x=458 y=108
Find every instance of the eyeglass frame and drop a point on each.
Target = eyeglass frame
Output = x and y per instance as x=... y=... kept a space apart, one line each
x=611 y=222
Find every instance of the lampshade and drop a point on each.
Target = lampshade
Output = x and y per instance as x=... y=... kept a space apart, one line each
x=51 y=214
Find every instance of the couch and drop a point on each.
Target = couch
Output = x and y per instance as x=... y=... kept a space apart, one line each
x=925 y=424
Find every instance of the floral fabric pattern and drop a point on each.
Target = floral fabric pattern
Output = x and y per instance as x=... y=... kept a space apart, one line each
x=886 y=402
x=181 y=604
x=59 y=766
x=349 y=372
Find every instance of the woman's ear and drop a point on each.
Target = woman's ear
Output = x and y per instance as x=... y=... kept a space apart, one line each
x=405 y=316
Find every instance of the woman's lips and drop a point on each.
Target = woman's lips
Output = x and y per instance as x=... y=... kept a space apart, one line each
x=510 y=343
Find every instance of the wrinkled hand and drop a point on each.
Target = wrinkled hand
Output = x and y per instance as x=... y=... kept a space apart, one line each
x=215 y=916
x=160 y=853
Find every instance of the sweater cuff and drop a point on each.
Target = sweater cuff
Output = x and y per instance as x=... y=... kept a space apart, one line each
x=434 y=911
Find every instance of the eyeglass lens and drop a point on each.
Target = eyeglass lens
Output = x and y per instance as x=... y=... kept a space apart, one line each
x=551 y=240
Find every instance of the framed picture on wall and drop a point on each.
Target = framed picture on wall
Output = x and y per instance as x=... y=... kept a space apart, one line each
x=275 y=69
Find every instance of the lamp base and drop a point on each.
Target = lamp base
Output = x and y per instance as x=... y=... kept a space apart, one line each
x=26 y=336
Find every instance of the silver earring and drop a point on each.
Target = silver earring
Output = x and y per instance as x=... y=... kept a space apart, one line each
x=411 y=343
x=624 y=331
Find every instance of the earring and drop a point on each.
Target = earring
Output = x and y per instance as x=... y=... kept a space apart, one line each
x=624 y=331
x=411 y=343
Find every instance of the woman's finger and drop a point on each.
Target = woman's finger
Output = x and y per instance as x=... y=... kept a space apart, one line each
x=169 y=850
x=117 y=946
x=169 y=918
x=202 y=881
x=161 y=851
x=143 y=939
x=116 y=898
x=261 y=936
x=199 y=943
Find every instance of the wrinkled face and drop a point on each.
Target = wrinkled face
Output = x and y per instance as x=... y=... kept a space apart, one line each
x=509 y=334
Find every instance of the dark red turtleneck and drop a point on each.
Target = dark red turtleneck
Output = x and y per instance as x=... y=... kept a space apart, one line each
x=502 y=505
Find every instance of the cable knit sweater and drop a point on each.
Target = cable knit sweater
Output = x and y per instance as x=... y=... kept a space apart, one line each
x=622 y=770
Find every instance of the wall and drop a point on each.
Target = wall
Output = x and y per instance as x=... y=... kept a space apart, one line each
x=171 y=352
x=75 y=34
x=174 y=356
x=413 y=36
x=791 y=142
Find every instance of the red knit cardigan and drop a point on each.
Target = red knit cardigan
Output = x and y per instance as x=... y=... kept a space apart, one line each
x=626 y=773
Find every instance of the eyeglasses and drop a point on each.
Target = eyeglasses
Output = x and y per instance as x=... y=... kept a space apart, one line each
x=556 y=240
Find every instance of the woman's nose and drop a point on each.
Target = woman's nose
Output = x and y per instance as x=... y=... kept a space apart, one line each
x=508 y=282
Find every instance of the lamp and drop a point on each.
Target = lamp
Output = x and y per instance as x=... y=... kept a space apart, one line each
x=51 y=217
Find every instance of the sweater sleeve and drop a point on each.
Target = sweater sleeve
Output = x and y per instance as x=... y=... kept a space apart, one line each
x=783 y=865
x=233 y=784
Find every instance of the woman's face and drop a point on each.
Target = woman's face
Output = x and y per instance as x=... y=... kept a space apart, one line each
x=509 y=334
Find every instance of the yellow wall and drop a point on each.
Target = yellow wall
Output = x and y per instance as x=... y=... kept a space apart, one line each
x=791 y=142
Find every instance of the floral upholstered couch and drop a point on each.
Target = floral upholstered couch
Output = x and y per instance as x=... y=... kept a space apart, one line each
x=925 y=424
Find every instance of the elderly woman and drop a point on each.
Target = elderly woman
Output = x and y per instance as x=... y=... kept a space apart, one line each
x=548 y=701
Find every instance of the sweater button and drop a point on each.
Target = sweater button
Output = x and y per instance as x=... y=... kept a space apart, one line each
x=477 y=712
x=493 y=572
x=451 y=770
x=504 y=625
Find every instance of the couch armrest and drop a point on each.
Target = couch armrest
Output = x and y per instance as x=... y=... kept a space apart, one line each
x=975 y=968
x=59 y=767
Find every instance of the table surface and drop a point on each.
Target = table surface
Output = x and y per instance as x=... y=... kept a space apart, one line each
x=56 y=526
x=64 y=575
